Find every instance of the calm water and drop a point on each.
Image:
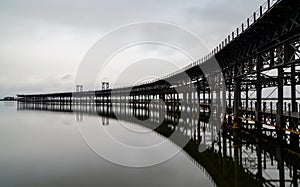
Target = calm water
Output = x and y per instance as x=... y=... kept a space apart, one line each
x=52 y=145
x=44 y=148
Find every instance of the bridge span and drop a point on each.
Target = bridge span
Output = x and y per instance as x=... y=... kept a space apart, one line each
x=260 y=59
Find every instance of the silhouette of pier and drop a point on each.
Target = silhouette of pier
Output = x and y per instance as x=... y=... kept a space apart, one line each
x=258 y=60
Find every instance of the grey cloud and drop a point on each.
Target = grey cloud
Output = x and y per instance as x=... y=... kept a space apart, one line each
x=43 y=40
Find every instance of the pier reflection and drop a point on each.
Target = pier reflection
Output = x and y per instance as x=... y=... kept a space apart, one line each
x=229 y=157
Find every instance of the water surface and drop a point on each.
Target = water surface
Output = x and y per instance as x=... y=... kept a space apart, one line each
x=44 y=148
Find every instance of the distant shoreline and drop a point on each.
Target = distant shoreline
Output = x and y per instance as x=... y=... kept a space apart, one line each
x=8 y=99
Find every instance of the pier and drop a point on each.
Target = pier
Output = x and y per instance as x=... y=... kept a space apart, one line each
x=259 y=59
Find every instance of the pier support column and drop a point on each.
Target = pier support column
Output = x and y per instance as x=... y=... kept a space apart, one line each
x=279 y=117
x=229 y=106
x=237 y=99
x=294 y=138
x=247 y=103
x=258 y=114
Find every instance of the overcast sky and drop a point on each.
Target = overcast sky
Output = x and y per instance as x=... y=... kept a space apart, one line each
x=43 y=42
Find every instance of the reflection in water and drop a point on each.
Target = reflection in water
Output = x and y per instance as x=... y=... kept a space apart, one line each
x=44 y=148
x=229 y=157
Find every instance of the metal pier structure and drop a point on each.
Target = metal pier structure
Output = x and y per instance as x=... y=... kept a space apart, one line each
x=257 y=100
x=258 y=59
